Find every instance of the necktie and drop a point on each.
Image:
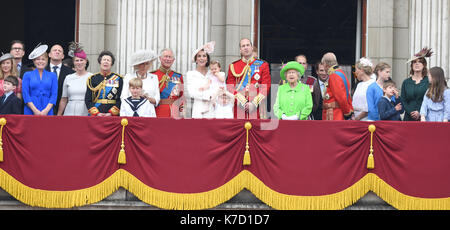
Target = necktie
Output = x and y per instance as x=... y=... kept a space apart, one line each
x=55 y=68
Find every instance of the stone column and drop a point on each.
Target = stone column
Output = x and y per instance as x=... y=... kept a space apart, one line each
x=430 y=27
x=98 y=29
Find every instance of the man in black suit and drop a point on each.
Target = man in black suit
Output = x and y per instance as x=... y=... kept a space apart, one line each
x=18 y=51
x=55 y=65
x=9 y=103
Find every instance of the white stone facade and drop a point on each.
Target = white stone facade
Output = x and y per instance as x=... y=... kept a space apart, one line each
x=396 y=29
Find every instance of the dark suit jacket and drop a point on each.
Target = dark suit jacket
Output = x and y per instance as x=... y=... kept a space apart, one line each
x=387 y=111
x=62 y=76
x=24 y=69
x=12 y=105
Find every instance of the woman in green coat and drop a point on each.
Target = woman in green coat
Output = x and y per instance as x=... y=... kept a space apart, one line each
x=294 y=100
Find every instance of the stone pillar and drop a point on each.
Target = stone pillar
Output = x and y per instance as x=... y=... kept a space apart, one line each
x=430 y=27
x=380 y=23
x=238 y=25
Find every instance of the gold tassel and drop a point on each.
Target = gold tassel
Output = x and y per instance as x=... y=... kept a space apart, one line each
x=2 y=123
x=122 y=157
x=247 y=159
x=370 y=160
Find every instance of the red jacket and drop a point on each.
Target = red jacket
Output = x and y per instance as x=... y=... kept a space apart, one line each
x=338 y=100
x=239 y=74
x=170 y=104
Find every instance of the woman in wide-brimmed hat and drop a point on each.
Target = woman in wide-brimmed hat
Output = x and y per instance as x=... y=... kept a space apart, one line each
x=39 y=87
x=74 y=87
x=7 y=69
x=415 y=87
x=142 y=62
x=294 y=99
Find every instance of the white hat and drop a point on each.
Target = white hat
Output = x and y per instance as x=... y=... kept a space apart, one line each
x=6 y=56
x=38 y=51
x=142 y=56
x=208 y=48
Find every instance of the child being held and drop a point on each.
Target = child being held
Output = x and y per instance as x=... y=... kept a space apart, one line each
x=216 y=78
x=222 y=99
x=388 y=109
x=9 y=102
x=136 y=105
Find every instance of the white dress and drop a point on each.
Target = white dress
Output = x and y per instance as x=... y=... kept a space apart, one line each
x=150 y=87
x=360 y=100
x=74 y=89
x=202 y=107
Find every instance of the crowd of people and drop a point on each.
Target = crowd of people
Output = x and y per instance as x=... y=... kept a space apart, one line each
x=55 y=86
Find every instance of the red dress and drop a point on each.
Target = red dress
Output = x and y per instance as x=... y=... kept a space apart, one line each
x=249 y=82
x=337 y=101
x=171 y=91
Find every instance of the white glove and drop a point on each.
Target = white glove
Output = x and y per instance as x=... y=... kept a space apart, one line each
x=293 y=118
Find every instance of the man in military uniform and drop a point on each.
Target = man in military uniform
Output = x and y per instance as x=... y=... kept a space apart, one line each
x=104 y=89
x=337 y=104
x=170 y=86
x=249 y=80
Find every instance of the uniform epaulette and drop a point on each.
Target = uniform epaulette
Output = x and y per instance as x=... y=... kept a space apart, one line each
x=118 y=75
x=259 y=59
x=333 y=69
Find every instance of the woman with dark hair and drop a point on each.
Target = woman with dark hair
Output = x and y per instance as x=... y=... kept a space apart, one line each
x=415 y=87
x=198 y=83
x=74 y=87
x=104 y=89
x=436 y=102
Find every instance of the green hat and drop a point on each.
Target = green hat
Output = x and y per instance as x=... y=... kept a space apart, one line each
x=292 y=65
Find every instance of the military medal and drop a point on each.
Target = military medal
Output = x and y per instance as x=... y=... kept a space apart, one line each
x=256 y=85
x=257 y=77
x=327 y=96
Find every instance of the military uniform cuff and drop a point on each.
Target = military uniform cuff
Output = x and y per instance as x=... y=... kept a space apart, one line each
x=114 y=111
x=94 y=111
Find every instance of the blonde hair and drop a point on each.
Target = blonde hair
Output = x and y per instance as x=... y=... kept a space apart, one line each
x=136 y=82
x=367 y=69
x=13 y=71
x=215 y=63
x=380 y=67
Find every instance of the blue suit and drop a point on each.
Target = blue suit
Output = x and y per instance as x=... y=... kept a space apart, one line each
x=40 y=92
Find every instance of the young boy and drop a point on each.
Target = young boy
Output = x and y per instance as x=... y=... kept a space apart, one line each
x=9 y=103
x=388 y=109
x=136 y=105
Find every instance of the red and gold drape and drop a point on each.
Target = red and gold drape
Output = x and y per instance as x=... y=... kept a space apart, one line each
x=63 y=162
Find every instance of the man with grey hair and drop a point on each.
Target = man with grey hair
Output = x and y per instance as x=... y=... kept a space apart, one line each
x=170 y=87
x=337 y=104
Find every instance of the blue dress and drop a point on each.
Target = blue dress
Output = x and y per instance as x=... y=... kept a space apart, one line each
x=40 y=92
x=436 y=111
x=373 y=95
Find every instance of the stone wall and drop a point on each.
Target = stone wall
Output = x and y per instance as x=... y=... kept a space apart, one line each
x=245 y=200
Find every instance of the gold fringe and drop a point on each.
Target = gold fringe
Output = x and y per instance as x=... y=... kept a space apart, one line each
x=61 y=199
x=213 y=198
